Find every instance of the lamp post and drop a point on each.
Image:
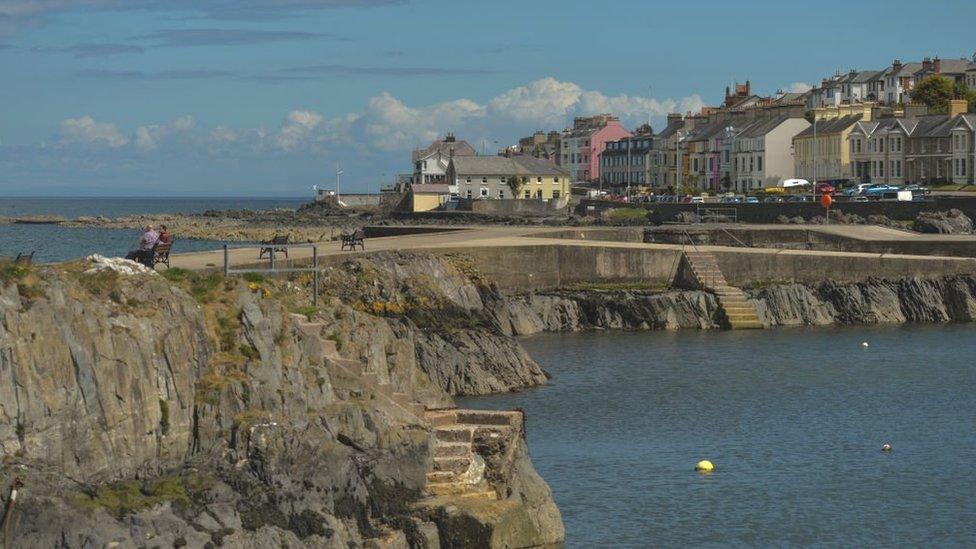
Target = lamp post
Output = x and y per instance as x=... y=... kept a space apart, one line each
x=816 y=146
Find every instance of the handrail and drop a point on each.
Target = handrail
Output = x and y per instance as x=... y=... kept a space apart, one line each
x=741 y=243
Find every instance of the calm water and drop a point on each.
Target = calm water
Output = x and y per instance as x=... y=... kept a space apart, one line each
x=793 y=420
x=53 y=243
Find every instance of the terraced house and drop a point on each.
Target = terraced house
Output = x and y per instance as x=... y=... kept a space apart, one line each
x=500 y=177
x=762 y=153
x=581 y=145
x=924 y=149
x=628 y=162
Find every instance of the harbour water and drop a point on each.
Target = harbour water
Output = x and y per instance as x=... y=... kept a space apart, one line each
x=54 y=243
x=793 y=420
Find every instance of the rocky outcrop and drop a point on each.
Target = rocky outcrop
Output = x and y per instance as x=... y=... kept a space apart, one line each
x=191 y=410
x=950 y=222
x=573 y=311
x=871 y=302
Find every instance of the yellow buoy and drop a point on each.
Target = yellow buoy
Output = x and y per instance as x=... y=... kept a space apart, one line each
x=704 y=466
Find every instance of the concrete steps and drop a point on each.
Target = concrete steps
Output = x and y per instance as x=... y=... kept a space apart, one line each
x=454 y=453
x=737 y=311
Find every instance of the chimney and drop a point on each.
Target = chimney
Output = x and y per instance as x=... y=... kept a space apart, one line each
x=937 y=65
x=674 y=117
x=926 y=64
x=450 y=138
x=896 y=65
x=957 y=107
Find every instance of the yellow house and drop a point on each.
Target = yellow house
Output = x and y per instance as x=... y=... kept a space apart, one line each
x=821 y=152
x=499 y=177
x=429 y=196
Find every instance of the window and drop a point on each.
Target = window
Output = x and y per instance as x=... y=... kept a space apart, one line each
x=555 y=194
x=538 y=194
x=528 y=194
x=469 y=193
x=484 y=179
x=468 y=180
x=503 y=180
x=759 y=163
x=484 y=192
x=501 y=193
x=538 y=180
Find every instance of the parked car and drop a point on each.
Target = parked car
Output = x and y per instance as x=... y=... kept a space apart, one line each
x=798 y=198
x=731 y=200
x=857 y=189
x=879 y=190
x=752 y=200
x=859 y=198
x=773 y=199
x=697 y=200
x=825 y=188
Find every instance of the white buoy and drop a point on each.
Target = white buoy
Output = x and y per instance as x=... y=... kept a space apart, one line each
x=864 y=344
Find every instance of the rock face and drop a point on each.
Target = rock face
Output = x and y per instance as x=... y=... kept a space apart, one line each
x=946 y=299
x=138 y=411
x=572 y=311
x=950 y=222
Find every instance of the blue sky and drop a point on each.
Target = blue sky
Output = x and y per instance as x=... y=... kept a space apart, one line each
x=261 y=97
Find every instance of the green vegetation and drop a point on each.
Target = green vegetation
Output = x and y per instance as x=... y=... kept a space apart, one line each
x=249 y=351
x=307 y=311
x=130 y=496
x=935 y=92
x=628 y=215
x=102 y=283
x=164 y=417
x=334 y=337
x=201 y=286
x=616 y=286
x=11 y=271
x=256 y=278
x=516 y=183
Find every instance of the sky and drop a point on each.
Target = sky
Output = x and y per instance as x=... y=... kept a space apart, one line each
x=263 y=97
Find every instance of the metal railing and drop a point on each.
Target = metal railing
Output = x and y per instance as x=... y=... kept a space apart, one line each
x=733 y=237
x=704 y=214
x=274 y=269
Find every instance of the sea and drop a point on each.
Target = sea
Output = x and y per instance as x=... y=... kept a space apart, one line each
x=54 y=243
x=792 y=419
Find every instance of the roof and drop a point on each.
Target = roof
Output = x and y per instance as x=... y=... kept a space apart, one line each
x=908 y=69
x=671 y=129
x=431 y=188
x=762 y=126
x=501 y=165
x=949 y=66
x=833 y=125
x=461 y=148
x=865 y=76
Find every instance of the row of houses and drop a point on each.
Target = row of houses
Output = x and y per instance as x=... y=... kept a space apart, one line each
x=890 y=85
x=747 y=143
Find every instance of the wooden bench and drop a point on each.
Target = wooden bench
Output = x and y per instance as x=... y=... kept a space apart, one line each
x=160 y=254
x=353 y=239
x=277 y=244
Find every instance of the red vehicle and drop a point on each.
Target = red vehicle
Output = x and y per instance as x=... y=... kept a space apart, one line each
x=825 y=188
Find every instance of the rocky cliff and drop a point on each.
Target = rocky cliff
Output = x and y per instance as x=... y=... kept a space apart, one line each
x=138 y=410
x=946 y=299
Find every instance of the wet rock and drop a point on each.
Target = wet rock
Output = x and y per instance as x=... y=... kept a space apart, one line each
x=686 y=217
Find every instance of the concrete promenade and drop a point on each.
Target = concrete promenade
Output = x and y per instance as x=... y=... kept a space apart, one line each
x=532 y=258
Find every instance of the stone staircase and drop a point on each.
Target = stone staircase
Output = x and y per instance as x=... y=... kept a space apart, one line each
x=738 y=312
x=459 y=471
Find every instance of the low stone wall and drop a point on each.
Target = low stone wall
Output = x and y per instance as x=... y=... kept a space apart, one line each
x=519 y=207
x=768 y=213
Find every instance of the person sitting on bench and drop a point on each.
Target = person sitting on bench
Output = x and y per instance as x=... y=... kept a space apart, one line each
x=144 y=254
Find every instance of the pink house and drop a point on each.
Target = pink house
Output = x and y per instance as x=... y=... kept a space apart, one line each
x=580 y=147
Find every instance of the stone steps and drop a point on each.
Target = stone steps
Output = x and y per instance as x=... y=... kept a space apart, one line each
x=452 y=449
x=454 y=464
x=734 y=304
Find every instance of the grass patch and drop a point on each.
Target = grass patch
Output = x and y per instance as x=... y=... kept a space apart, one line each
x=126 y=497
x=628 y=215
x=11 y=271
x=307 y=311
x=248 y=351
x=335 y=338
x=616 y=286
x=257 y=278
x=201 y=286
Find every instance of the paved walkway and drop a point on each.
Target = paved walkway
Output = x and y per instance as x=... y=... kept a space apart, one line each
x=503 y=236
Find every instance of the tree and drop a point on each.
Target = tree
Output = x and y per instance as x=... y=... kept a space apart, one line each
x=726 y=182
x=516 y=182
x=935 y=92
x=962 y=91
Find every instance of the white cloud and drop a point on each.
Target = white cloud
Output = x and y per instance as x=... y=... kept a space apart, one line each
x=148 y=137
x=800 y=87
x=369 y=142
x=87 y=131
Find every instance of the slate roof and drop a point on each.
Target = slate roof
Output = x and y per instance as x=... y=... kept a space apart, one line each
x=671 y=129
x=864 y=77
x=762 y=126
x=461 y=148
x=834 y=125
x=503 y=166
